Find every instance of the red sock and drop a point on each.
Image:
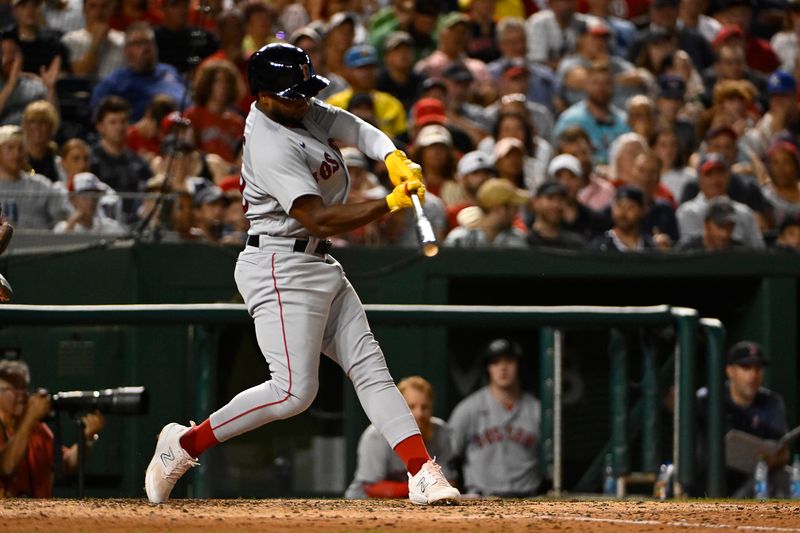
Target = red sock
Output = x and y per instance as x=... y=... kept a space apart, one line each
x=199 y=439
x=413 y=452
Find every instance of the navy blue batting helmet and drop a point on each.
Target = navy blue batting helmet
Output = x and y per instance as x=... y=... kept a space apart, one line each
x=283 y=70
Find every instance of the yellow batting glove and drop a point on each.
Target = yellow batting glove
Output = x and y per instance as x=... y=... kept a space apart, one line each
x=400 y=197
x=401 y=168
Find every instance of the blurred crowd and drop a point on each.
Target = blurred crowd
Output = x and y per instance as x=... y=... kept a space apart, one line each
x=609 y=125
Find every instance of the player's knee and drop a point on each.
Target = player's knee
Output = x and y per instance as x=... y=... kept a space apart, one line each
x=304 y=395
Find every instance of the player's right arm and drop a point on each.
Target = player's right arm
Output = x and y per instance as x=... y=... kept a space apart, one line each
x=326 y=220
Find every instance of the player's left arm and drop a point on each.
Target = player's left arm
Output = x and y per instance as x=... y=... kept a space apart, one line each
x=375 y=144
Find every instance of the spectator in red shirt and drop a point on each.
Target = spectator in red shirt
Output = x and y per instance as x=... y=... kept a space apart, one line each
x=145 y=136
x=217 y=125
x=736 y=16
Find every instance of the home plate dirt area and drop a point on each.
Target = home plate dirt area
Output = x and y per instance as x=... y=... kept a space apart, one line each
x=298 y=516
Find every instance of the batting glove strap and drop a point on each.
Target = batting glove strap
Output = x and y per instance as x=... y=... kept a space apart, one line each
x=401 y=168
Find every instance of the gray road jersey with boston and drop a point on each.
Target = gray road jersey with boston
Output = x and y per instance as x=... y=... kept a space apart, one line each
x=499 y=447
x=287 y=163
x=378 y=462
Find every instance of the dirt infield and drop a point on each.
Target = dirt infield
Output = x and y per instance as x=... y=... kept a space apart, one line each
x=300 y=516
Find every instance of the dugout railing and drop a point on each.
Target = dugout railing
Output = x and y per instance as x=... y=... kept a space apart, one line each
x=552 y=321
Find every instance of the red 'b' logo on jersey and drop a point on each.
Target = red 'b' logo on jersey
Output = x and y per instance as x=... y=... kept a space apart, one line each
x=306 y=72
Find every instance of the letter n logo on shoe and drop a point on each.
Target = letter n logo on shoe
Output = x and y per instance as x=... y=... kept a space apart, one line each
x=165 y=457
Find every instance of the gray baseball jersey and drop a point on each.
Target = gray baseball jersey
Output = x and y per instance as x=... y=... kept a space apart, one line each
x=378 y=462
x=302 y=303
x=499 y=446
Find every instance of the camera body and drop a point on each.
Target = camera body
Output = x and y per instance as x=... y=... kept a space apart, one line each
x=117 y=401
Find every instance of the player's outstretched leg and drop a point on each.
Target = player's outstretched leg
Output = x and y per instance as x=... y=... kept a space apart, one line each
x=430 y=487
x=170 y=461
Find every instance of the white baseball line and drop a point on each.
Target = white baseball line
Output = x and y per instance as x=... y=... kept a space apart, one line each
x=659 y=523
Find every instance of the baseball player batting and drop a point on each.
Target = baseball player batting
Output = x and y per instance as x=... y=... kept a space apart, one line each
x=293 y=183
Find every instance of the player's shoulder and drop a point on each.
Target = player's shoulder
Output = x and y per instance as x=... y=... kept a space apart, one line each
x=269 y=139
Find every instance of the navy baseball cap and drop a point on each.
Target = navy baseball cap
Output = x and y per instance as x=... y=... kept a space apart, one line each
x=747 y=353
x=627 y=192
x=671 y=87
x=781 y=82
x=720 y=211
x=501 y=348
x=457 y=72
x=360 y=55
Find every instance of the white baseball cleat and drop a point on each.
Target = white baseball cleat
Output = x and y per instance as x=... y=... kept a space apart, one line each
x=430 y=487
x=170 y=461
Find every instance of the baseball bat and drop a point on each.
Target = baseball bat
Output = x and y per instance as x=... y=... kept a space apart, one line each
x=424 y=229
x=5 y=290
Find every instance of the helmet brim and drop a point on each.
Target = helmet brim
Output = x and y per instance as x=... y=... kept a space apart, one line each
x=307 y=89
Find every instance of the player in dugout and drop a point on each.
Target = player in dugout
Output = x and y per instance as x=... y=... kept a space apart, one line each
x=294 y=182
x=379 y=472
x=26 y=443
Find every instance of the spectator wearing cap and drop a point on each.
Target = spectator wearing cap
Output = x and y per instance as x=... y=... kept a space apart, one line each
x=593 y=45
x=595 y=191
x=782 y=190
x=433 y=150
x=692 y=14
x=626 y=234
x=671 y=111
x=397 y=76
x=730 y=64
x=659 y=214
x=789 y=234
x=496 y=429
x=509 y=160
x=718 y=225
x=39 y=203
x=785 y=43
x=513 y=88
x=553 y=32
x=596 y=114
x=738 y=14
x=217 y=125
x=578 y=218
x=258 y=20
x=145 y=135
x=500 y=201
x=18 y=90
x=416 y=17
x=362 y=69
x=112 y=161
x=751 y=408
x=42 y=51
x=482 y=43
x=209 y=206
x=781 y=117
x=713 y=180
x=474 y=169
x=142 y=77
x=674 y=172
x=471 y=118
x=96 y=49
x=339 y=37
x=453 y=37
x=664 y=18
x=40 y=123
x=87 y=189
x=430 y=110
x=623 y=31
x=537 y=151
x=548 y=210
x=540 y=85
x=231 y=32
x=722 y=141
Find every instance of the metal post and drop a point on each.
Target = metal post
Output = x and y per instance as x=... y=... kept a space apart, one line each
x=81 y=454
x=558 y=358
x=715 y=428
x=686 y=321
x=651 y=449
x=546 y=391
x=619 y=403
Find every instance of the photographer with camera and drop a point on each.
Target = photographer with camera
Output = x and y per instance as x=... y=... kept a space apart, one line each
x=26 y=443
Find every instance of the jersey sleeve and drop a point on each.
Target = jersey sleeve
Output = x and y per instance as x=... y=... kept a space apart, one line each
x=279 y=168
x=460 y=426
x=348 y=128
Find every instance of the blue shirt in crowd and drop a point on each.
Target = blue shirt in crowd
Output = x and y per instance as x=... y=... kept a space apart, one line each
x=139 y=88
